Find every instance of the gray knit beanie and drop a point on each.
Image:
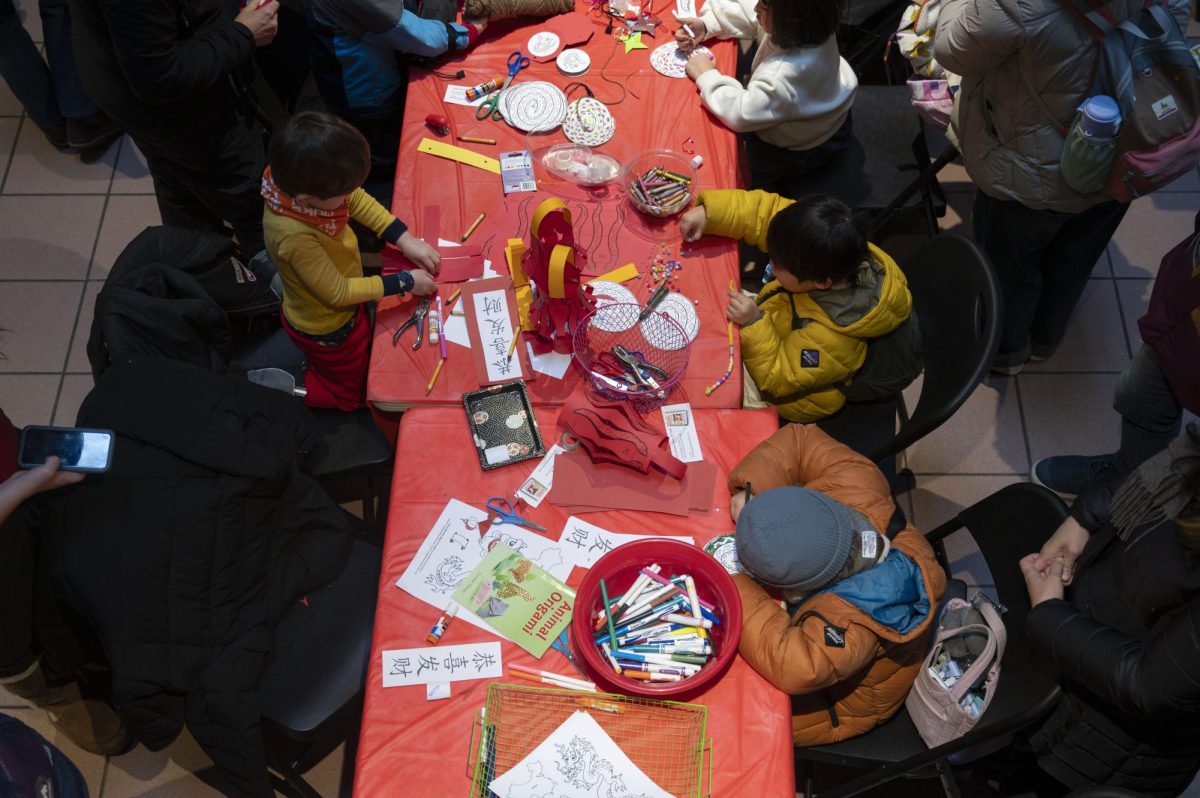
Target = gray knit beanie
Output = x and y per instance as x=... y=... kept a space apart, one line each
x=794 y=538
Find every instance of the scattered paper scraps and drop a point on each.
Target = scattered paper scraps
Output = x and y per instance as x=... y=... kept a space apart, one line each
x=437 y=691
x=405 y=666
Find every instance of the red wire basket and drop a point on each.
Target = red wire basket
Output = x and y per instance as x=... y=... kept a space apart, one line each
x=658 y=340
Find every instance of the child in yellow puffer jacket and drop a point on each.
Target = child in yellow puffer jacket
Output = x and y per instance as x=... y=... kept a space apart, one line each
x=805 y=338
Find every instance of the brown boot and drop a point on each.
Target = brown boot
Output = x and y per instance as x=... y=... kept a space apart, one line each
x=91 y=724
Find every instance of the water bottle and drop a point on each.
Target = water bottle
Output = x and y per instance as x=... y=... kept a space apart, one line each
x=1091 y=145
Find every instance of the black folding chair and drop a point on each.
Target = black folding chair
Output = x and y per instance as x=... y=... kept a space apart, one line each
x=1007 y=525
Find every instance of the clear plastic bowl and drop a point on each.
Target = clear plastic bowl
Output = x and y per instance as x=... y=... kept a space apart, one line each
x=670 y=161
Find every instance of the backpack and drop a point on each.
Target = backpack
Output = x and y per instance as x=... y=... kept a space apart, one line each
x=32 y=767
x=893 y=361
x=1147 y=67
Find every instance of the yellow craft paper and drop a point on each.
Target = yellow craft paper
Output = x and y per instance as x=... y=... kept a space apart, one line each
x=619 y=274
x=461 y=154
x=513 y=252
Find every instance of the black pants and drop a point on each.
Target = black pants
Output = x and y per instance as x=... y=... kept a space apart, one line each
x=16 y=594
x=210 y=177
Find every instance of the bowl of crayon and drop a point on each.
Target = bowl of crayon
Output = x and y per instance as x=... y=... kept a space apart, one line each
x=676 y=618
x=659 y=183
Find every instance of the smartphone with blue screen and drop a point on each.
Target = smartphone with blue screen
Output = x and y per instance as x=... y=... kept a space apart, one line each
x=86 y=450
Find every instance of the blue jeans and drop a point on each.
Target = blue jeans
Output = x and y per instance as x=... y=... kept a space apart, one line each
x=771 y=166
x=1151 y=416
x=48 y=93
x=1043 y=260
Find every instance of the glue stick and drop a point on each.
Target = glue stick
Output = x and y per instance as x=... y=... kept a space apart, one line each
x=435 y=325
x=475 y=92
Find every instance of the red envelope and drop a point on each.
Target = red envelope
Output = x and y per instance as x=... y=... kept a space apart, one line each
x=581 y=485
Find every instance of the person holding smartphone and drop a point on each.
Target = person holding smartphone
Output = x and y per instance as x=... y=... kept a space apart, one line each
x=90 y=723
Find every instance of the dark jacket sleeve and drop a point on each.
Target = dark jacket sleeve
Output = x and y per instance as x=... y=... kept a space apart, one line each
x=1153 y=679
x=1091 y=508
x=161 y=67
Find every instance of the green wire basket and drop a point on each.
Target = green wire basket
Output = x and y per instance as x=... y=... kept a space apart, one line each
x=663 y=738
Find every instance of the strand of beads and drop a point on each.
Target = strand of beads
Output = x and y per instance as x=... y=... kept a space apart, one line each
x=729 y=368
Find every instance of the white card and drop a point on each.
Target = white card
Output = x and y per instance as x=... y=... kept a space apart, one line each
x=681 y=432
x=436 y=691
x=684 y=8
x=407 y=666
x=576 y=761
x=537 y=485
x=588 y=542
x=457 y=95
x=552 y=364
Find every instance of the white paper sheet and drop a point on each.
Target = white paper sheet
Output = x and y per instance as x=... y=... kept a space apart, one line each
x=405 y=666
x=457 y=95
x=552 y=364
x=436 y=691
x=495 y=333
x=588 y=542
x=577 y=760
x=453 y=548
x=680 y=422
x=538 y=484
x=684 y=8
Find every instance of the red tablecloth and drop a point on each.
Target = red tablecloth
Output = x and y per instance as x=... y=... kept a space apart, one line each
x=665 y=113
x=412 y=747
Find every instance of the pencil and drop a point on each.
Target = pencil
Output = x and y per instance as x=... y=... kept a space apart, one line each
x=475 y=140
x=478 y=221
x=512 y=345
x=454 y=296
x=436 y=371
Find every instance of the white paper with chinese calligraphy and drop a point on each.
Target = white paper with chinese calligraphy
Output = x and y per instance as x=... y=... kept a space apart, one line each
x=588 y=542
x=453 y=548
x=407 y=666
x=490 y=309
x=577 y=760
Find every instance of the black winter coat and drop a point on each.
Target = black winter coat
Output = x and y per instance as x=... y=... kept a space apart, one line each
x=161 y=68
x=184 y=555
x=1128 y=643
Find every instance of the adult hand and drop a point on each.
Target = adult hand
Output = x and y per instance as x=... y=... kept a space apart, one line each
x=1065 y=546
x=692 y=223
x=423 y=284
x=419 y=252
x=698 y=64
x=736 y=502
x=742 y=310
x=261 y=19
x=1043 y=585
x=23 y=484
x=687 y=42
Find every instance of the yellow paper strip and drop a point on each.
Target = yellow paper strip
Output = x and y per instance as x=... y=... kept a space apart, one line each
x=619 y=274
x=461 y=154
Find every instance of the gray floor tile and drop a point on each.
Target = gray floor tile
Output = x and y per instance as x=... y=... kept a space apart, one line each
x=131 y=176
x=1095 y=340
x=937 y=499
x=1134 y=295
x=27 y=399
x=984 y=436
x=1188 y=182
x=8 y=137
x=38 y=168
x=125 y=217
x=39 y=318
x=91 y=766
x=9 y=104
x=35 y=249
x=169 y=773
x=74 y=388
x=1152 y=226
x=1069 y=413
x=77 y=360
x=326 y=776
x=953 y=177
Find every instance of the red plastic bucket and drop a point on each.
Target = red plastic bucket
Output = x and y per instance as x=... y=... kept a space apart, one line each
x=618 y=569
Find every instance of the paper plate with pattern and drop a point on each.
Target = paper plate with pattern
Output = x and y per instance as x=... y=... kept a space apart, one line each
x=534 y=106
x=588 y=121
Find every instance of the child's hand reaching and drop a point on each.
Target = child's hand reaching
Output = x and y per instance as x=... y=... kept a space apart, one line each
x=692 y=223
x=742 y=310
x=688 y=41
x=419 y=253
x=423 y=284
x=698 y=64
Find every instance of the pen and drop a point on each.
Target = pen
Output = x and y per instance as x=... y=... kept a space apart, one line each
x=439 y=628
x=512 y=345
x=442 y=337
x=689 y=31
x=612 y=630
x=475 y=140
x=471 y=229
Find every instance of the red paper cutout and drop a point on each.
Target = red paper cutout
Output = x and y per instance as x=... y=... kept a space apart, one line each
x=572 y=28
x=458 y=270
x=555 y=319
x=522 y=368
x=581 y=485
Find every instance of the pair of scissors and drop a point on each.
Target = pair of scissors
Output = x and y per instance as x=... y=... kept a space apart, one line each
x=491 y=106
x=507 y=515
x=640 y=368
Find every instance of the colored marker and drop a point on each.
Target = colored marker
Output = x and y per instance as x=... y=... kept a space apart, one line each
x=435 y=634
x=612 y=630
x=688 y=620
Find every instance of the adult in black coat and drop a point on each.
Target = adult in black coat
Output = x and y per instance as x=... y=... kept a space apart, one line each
x=168 y=73
x=1116 y=595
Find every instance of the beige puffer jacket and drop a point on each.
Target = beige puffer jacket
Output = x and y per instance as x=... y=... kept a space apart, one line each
x=1005 y=50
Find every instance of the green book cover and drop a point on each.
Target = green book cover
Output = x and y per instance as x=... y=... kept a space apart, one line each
x=518 y=599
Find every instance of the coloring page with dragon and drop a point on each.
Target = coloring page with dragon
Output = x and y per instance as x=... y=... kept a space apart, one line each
x=454 y=547
x=577 y=760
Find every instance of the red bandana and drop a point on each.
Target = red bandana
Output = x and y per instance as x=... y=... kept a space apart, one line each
x=329 y=222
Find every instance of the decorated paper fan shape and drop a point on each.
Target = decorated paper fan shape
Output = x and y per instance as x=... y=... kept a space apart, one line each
x=533 y=107
x=606 y=292
x=682 y=312
x=667 y=60
x=588 y=121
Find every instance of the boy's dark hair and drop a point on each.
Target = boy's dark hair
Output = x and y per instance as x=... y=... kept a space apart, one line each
x=817 y=238
x=803 y=23
x=319 y=154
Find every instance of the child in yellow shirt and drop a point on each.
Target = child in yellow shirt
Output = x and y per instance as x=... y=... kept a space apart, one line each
x=312 y=189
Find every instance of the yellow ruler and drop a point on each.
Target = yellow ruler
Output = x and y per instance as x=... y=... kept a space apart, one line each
x=461 y=154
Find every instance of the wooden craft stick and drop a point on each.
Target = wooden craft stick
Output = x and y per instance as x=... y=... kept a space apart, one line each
x=475 y=224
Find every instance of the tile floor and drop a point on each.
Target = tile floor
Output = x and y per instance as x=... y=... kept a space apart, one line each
x=62 y=223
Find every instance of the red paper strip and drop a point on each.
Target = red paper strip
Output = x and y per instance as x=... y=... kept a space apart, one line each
x=429 y=229
x=457 y=270
x=579 y=483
